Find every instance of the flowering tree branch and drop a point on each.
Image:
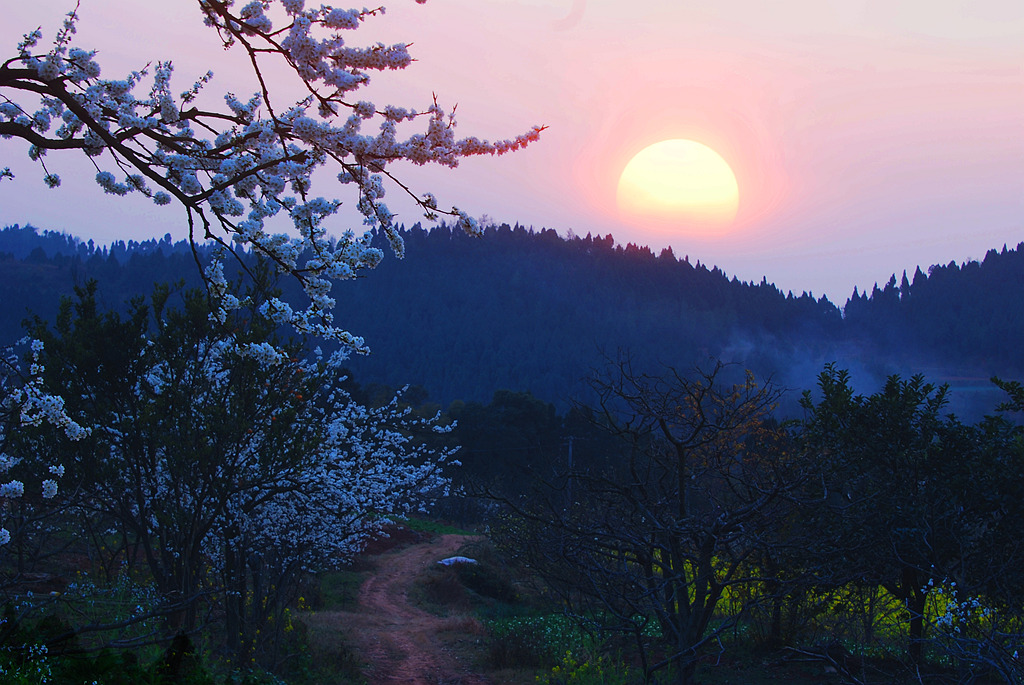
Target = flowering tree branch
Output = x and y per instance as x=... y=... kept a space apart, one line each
x=237 y=167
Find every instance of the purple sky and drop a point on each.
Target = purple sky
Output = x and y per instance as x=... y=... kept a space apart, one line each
x=867 y=137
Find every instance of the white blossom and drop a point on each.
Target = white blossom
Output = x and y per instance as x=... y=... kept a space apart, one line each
x=13 y=489
x=49 y=488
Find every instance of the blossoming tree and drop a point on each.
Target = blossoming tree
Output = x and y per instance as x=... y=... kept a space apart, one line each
x=223 y=474
x=236 y=167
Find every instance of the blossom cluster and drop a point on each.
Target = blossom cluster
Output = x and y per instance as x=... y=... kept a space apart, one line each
x=239 y=167
x=24 y=402
x=35 y=405
x=974 y=633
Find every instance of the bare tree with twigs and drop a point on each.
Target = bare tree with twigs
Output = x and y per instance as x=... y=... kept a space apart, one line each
x=650 y=549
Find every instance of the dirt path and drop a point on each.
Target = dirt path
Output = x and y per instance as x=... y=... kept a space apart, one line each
x=399 y=640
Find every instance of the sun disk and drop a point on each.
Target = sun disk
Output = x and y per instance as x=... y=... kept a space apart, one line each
x=679 y=182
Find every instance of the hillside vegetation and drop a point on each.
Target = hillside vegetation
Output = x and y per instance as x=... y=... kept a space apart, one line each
x=524 y=310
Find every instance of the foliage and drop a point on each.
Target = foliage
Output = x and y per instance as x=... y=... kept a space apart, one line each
x=528 y=310
x=32 y=668
x=536 y=641
x=488 y=581
x=48 y=649
x=236 y=166
x=1015 y=390
x=432 y=527
x=130 y=611
x=953 y=314
x=505 y=441
x=588 y=671
x=910 y=497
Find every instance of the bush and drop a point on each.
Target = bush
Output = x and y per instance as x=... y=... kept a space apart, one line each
x=487 y=581
x=535 y=641
x=440 y=590
x=338 y=589
x=517 y=650
x=330 y=656
x=587 y=671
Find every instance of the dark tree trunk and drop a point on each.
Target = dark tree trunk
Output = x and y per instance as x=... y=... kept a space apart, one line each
x=915 y=598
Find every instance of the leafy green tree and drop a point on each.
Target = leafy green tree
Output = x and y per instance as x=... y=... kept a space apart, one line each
x=909 y=496
x=508 y=440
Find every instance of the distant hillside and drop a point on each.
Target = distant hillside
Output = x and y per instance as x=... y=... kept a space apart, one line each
x=526 y=310
x=967 y=315
x=532 y=311
x=38 y=268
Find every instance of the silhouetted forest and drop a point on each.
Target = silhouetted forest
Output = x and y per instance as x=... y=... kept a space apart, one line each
x=527 y=310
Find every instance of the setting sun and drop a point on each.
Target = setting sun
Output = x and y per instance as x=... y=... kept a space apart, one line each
x=679 y=182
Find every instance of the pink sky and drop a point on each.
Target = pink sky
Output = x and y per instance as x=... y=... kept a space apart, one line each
x=867 y=137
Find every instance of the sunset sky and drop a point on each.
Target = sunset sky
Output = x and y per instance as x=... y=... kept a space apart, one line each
x=867 y=137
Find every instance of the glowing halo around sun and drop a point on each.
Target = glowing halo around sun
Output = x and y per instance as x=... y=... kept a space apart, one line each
x=679 y=184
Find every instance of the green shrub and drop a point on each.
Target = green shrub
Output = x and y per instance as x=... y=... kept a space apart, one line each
x=486 y=581
x=432 y=527
x=440 y=590
x=35 y=665
x=27 y=667
x=535 y=641
x=588 y=671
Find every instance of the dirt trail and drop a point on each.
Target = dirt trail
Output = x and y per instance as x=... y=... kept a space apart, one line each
x=399 y=640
